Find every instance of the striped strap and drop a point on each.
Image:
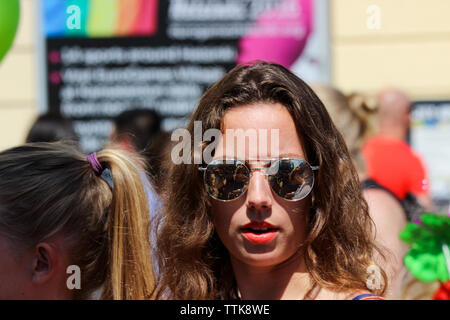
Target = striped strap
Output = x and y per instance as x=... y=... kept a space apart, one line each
x=368 y=296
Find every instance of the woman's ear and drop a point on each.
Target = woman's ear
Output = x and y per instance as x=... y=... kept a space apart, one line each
x=44 y=261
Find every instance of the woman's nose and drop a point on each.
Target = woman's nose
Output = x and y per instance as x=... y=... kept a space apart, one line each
x=259 y=194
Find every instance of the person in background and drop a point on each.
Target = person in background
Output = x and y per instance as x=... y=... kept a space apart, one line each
x=351 y=115
x=61 y=211
x=390 y=161
x=135 y=129
x=52 y=127
x=159 y=156
x=138 y=130
x=288 y=224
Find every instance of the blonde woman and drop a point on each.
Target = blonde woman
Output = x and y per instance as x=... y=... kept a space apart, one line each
x=64 y=215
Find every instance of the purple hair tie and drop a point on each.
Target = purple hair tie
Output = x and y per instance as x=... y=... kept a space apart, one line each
x=95 y=164
x=105 y=174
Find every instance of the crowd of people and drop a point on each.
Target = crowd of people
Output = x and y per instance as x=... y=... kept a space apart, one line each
x=308 y=222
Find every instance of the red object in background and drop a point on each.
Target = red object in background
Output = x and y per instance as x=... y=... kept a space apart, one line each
x=443 y=292
x=393 y=164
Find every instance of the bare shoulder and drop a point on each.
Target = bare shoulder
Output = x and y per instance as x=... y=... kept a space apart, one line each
x=381 y=199
x=383 y=206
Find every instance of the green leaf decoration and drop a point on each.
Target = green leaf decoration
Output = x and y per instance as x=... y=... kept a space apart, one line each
x=9 y=20
x=426 y=259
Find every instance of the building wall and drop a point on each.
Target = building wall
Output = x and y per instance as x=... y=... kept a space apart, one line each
x=410 y=50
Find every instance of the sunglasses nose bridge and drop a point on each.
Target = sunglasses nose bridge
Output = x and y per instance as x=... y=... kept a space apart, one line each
x=262 y=170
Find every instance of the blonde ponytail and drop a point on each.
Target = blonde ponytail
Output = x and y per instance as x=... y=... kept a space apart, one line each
x=352 y=114
x=130 y=273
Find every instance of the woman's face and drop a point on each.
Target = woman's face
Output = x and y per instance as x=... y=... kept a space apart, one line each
x=260 y=204
x=13 y=272
x=38 y=273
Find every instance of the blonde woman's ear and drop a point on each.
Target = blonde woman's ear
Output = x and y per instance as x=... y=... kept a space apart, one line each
x=48 y=263
x=43 y=263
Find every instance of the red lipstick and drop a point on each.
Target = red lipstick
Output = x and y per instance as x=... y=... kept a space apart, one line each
x=259 y=232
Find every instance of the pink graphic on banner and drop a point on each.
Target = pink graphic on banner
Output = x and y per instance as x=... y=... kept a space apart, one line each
x=54 y=57
x=147 y=24
x=55 y=77
x=279 y=35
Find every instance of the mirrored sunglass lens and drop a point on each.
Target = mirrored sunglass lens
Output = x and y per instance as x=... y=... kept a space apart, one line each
x=226 y=181
x=291 y=179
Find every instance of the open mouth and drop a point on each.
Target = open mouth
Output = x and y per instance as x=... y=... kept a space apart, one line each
x=258 y=230
x=259 y=233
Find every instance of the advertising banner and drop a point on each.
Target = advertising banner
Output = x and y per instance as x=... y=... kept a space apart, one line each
x=107 y=56
x=430 y=130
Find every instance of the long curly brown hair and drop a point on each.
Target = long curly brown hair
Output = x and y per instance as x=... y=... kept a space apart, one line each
x=338 y=249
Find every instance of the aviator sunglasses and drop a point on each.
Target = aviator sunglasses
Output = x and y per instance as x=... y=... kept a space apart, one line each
x=290 y=178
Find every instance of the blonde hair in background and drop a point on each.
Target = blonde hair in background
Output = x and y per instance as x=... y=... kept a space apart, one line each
x=131 y=272
x=414 y=289
x=354 y=117
x=107 y=231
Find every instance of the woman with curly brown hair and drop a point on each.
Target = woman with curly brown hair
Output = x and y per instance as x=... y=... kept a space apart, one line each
x=268 y=234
